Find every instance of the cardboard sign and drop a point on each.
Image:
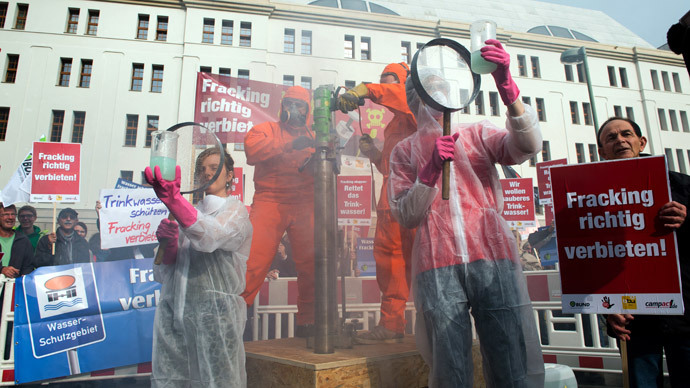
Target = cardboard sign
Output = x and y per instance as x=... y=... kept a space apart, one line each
x=614 y=257
x=354 y=200
x=130 y=217
x=55 y=172
x=544 y=179
x=518 y=202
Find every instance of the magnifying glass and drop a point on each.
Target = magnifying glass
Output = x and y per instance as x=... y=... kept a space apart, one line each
x=442 y=78
x=187 y=145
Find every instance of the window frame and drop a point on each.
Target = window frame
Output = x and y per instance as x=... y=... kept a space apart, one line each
x=56 y=125
x=92 y=26
x=536 y=70
x=157 y=82
x=289 y=40
x=522 y=65
x=611 y=70
x=143 y=26
x=4 y=122
x=208 y=30
x=12 y=68
x=162 y=28
x=306 y=42
x=574 y=113
x=72 y=21
x=225 y=36
x=78 y=124
x=65 y=72
x=137 y=80
x=21 y=16
x=349 y=39
x=151 y=128
x=365 y=48
x=131 y=127
x=85 y=73
x=541 y=109
x=245 y=34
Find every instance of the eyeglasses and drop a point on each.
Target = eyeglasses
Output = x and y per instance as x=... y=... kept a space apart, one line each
x=66 y=216
x=26 y=216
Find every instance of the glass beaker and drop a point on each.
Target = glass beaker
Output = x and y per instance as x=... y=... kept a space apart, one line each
x=164 y=153
x=480 y=32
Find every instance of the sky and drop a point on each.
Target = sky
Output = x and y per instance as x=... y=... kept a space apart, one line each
x=649 y=19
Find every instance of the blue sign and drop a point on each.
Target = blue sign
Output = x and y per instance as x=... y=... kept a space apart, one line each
x=80 y=318
x=365 y=257
x=125 y=184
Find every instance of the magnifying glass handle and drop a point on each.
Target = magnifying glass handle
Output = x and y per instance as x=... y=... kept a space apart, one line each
x=445 y=179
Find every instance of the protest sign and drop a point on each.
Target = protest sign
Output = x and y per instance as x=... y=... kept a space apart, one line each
x=544 y=179
x=518 y=202
x=237 y=185
x=130 y=217
x=125 y=184
x=365 y=257
x=354 y=200
x=614 y=257
x=80 y=318
x=55 y=172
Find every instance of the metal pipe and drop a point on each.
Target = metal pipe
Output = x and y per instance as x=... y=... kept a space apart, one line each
x=591 y=93
x=323 y=173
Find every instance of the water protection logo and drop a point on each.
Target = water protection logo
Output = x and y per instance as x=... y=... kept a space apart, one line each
x=60 y=293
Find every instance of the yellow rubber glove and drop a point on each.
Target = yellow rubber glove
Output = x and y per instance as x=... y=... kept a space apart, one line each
x=349 y=100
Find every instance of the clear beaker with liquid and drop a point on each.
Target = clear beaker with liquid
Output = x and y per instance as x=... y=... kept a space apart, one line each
x=164 y=153
x=480 y=32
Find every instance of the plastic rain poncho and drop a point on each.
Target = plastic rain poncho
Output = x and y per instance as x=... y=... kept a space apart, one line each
x=464 y=256
x=200 y=318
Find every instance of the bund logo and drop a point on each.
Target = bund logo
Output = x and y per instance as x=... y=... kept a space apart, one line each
x=579 y=304
x=606 y=302
x=629 y=302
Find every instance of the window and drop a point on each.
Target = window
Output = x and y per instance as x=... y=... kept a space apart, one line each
x=662 y=119
x=580 y=73
x=151 y=127
x=305 y=82
x=92 y=27
x=522 y=65
x=676 y=83
x=593 y=155
x=580 y=151
x=137 y=76
x=4 y=119
x=243 y=74
x=536 y=73
x=365 y=46
x=624 y=77
x=56 y=127
x=226 y=32
x=667 y=82
x=405 y=52
x=157 y=78
x=674 y=120
x=22 y=12
x=569 y=73
x=72 y=20
x=65 y=71
x=162 y=28
x=349 y=84
x=12 y=65
x=289 y=80
x=541 y=109
x=527 y=100
x=493 y=104
x=669 y=159
x=205 y=69
x=684 y=121
x=127 y=175
x=629 y=113
x=3 y=16
x=479 y=103
x=224 y=71
x=587 y=113
x=464 y=96
x=612 y=76
x=681 y=161
x=246 y=34
x=131 y=130
x=306 y=42
x=533 y=161
x=545 y=151
x=289 y=41
x=207 y=33
x=655 y=80
x=143 y=27
x=78 y=127
x=349 y=46
x=574 y=114
x=617 y=111
x=85 y=75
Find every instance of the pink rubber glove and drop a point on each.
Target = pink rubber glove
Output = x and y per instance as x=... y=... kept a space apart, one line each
x=167 y=234
x=507 y=88
x=169 y=194
x=444 y=149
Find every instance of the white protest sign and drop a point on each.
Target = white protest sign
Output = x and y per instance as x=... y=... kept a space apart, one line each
x=130 y=217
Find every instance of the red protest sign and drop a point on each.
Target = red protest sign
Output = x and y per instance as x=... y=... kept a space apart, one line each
x=543 y=180
x=518 y=202
x=354 y=200
x=614 y=257
x=237 y=186
x=55 y=172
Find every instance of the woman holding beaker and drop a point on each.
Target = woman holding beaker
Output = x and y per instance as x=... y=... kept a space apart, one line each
x=200 y=318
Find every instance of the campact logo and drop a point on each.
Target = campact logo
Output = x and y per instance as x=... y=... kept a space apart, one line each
x=629 y=302
x=578 y=304
x=661 y=305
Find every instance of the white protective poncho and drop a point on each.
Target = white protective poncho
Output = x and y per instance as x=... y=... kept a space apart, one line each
x=200 y=319
x=464 y=257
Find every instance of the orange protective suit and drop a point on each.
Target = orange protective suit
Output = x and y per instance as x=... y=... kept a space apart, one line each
x=283 y=201
x=392 y=242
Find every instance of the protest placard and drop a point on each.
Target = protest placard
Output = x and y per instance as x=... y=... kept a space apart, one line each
x=130 y=217
x=614 y=257
x=354 y=200
x=544 y=179
x=518 y=202
x=237 y=185
x=55 y=172
x=365 y=257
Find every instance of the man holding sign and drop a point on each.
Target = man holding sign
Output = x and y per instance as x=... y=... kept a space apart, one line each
x=649 y=335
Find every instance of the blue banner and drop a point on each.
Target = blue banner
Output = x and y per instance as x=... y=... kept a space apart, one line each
x=365 y=257
x=79 y=318
x=125 y=184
